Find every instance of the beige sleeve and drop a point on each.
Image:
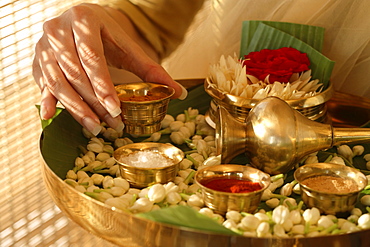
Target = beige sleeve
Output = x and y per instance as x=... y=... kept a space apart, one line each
x=163 y=23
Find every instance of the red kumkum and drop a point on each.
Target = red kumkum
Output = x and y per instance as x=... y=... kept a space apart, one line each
x=232 y=185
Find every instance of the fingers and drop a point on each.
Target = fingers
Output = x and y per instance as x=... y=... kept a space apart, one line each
x=65 y=79
x=54 y=85
x=159 y=75
x=48 y=101
x=70 y=66
x=90 y=52
x=123 y=52
x=150 y=71
x=47 y=105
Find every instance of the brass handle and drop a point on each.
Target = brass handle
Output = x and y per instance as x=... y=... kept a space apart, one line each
x=350 y=136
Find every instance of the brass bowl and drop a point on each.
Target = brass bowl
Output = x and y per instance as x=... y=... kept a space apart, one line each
x=141 y=177
x=143 y=116
x=221 y=202
x=330 y=202
x=314 y=108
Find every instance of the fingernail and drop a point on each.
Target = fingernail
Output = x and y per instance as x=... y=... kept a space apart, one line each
x=115 y=123
x=184 y=92
x=112 y=107
x=91 y=125
x=120 y=126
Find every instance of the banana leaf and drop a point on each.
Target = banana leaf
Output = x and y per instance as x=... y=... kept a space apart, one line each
x=60 y=142
x=186 y=216
x=45 y=123
x=311 y=35
x=258 y=35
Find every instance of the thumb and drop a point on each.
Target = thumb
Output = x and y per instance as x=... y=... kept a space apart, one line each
x=157 y=74
x=126 y=54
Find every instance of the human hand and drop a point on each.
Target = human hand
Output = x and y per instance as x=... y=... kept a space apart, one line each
x=71 y=64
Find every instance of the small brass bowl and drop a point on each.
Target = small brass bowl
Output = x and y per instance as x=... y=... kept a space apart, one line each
x=342 y=197
x=221 y=202
x=141 y=177
x=143 y=105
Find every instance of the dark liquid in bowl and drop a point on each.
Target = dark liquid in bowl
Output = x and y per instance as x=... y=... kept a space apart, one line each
x=231 y=185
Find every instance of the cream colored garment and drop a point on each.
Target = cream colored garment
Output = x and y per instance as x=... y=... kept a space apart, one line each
x=161 y=22
x=217 y=31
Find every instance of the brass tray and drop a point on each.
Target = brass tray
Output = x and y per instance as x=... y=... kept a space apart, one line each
x=125 y=229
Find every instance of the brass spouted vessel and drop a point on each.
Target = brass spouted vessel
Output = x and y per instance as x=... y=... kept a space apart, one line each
x=276 y=137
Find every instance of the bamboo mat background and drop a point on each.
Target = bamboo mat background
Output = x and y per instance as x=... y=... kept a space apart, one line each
x=28 y=216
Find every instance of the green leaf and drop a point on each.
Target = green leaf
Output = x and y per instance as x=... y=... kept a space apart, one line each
x=312 y=35
x=186 y=217
x=366 y=125
x=60 y=143
x=45 y=123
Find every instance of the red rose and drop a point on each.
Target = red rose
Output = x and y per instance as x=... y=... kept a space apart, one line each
x=280 y=64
